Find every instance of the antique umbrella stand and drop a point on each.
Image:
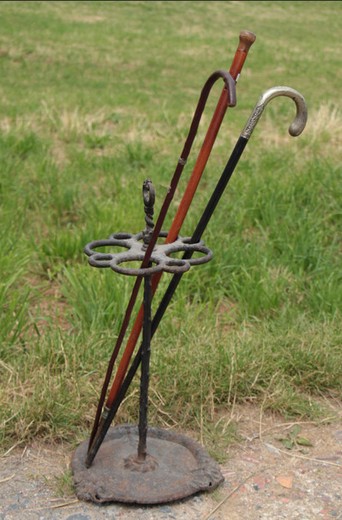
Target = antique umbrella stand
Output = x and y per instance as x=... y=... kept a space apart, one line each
x=141 y=464
x=144 y=465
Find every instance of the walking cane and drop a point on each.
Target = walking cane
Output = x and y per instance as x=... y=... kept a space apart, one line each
x=295 y=129
x=227 y=98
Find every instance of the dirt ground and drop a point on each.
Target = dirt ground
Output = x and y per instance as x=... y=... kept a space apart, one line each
x=277 y=470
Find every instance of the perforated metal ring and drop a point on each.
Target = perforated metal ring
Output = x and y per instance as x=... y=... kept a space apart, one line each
x=160 y=258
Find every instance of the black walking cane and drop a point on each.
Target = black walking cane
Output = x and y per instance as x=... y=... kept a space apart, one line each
x=295 y=129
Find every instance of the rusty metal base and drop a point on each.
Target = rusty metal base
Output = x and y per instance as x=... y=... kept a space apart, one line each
x=176 y=467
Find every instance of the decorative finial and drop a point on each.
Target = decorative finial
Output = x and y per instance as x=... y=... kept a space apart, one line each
x=149 y=196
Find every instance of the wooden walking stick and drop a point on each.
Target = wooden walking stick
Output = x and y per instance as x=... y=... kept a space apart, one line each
x=245 y=42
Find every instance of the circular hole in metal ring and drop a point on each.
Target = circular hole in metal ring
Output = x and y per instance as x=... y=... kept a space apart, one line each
x=121 y=236
x=91 y=248
x=206 y=255
x=176 y=266
x=100 y=260
x=145 y=271
x=188 y=240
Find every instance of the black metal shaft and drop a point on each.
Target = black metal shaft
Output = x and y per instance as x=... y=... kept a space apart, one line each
x=145 y=369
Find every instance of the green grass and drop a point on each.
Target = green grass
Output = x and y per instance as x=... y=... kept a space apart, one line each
x=98 y=96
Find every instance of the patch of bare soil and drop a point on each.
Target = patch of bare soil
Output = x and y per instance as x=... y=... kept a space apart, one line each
x=278 y=470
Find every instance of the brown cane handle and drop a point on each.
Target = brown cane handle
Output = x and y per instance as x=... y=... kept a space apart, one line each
x=246 y=40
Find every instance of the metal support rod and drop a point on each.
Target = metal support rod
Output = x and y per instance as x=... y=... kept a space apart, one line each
x=145 y=369
x=149 y=199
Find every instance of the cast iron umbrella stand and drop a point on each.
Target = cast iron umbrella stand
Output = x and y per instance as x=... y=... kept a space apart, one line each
x=139 y=464
x=136 y=464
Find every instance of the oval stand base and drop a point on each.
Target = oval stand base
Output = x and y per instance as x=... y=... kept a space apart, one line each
x=175 y=467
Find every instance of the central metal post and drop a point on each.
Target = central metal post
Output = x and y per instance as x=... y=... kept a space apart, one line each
x=149 y=199
x=145 y=369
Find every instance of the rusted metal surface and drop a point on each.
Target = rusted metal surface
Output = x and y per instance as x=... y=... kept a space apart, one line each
x=175 y=467
x=161 y=256
x=135 y=247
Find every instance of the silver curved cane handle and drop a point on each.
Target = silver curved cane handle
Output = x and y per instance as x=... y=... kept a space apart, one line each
x=298 y=124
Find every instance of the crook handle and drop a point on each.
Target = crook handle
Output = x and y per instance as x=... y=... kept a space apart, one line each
x=229 y=85
x=298 y=124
